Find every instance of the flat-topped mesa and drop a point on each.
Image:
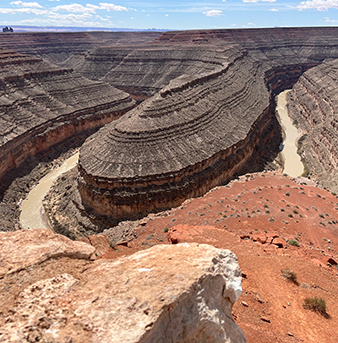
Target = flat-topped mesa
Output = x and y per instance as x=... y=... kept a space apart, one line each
x=193 y=135
x=313 y=103
x=42 y=105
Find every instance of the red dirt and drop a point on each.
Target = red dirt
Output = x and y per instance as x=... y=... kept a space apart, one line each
x=239 y=217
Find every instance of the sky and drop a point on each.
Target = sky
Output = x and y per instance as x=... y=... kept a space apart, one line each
x=171 y=14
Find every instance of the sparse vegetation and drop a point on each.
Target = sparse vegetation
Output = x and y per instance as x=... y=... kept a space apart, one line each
x=290 y=276
x=293 y=242
x=317 y=305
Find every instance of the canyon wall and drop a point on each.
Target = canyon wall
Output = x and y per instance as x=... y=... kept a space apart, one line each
x=196 y=133
x=42 y=105
x=201 y=129
x=313 y=104
x=57 y=47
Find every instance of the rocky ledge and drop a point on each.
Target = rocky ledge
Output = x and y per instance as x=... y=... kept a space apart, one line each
x=313 y=103
x=43 y=105
x=169 y=293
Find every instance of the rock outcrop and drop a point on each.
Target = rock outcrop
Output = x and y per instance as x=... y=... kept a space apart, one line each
x=43 y=105
x=25 y=248
x=313 y=103
x=177 y=293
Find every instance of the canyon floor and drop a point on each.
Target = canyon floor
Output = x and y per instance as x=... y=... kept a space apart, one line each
x=255 y=217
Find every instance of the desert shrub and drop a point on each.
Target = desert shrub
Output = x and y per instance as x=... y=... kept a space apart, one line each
x=295 y=211
x=316 y=304
x=166 y=229
x=287 y=194
x=289 y=275
x=293 y=242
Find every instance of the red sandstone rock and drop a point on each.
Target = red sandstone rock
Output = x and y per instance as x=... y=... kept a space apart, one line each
x=100 y=243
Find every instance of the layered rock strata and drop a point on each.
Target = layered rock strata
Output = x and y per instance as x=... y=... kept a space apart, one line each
x=57 y=47
x=313 y=104
x=201 y=129
x=42 y=105
x=193 y=135
x=143 y=70
x=169 y=293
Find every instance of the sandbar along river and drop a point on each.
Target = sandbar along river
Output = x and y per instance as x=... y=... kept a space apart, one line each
x=31 y=209
x=292 y=162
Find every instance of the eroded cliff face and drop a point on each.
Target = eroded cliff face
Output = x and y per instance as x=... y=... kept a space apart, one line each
x=193 y=135
x=42 y=105
x=313 y=104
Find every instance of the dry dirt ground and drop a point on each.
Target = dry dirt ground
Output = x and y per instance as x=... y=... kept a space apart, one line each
x=255 y=217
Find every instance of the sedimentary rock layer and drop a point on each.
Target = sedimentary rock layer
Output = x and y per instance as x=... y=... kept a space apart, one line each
x=143 y=70
x=42 y=105
x=202 y=128
x=169 y=293
x=313 y=103
x=59 y=46
x=193 y=135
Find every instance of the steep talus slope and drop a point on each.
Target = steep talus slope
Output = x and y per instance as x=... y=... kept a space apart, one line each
x=42 y=105
x=313 y=103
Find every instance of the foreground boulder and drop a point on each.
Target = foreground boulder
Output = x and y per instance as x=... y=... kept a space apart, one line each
x=169 y=293
x=24 y=248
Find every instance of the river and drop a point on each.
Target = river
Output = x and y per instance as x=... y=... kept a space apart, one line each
x=31 y=216
x=293 y=165
x=31 y=209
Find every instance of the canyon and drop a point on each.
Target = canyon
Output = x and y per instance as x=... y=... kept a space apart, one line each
x=162 y=122
x=205 y=114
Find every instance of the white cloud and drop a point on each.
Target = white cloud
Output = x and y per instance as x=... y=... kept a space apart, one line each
x=251 y=24
x=255 y=1
x=76 y=8
x=166 y=15
x=328 y=20
x=112 y=7
x=22 y=10
x=26 y=4
x=320 y=5
x=273 y=10
x=213 y=13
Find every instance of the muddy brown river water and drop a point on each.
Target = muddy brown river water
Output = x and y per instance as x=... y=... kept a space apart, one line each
x=31 y=208
x=292 y=162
